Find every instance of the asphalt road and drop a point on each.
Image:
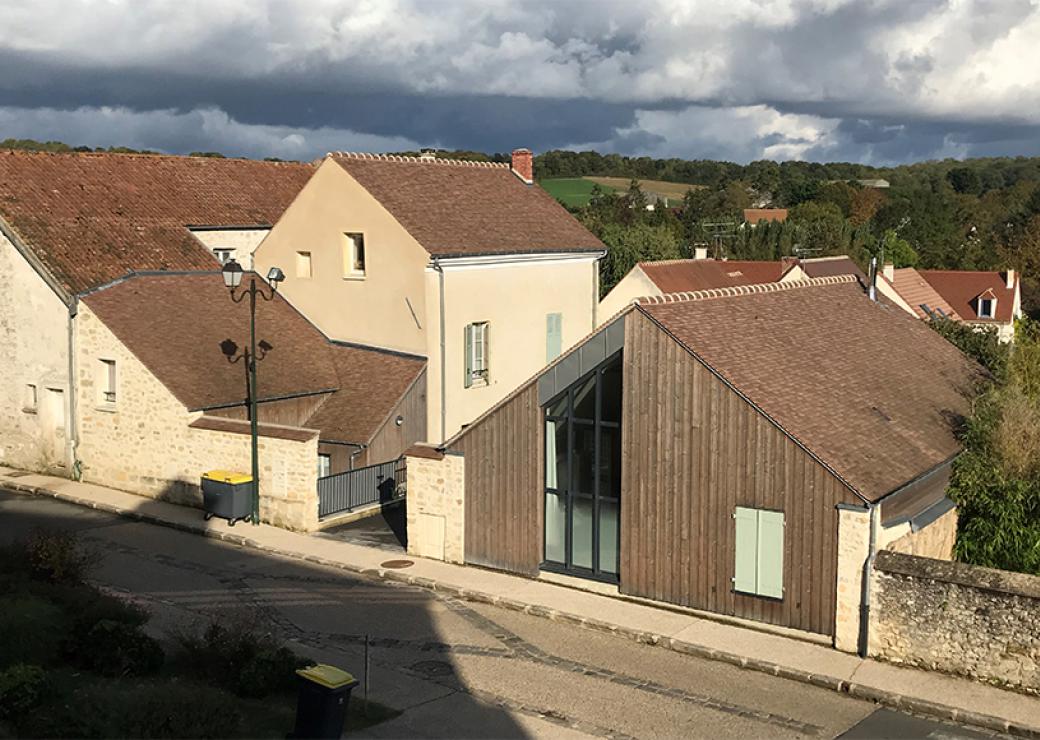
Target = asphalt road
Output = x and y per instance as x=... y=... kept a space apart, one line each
x=456 y=669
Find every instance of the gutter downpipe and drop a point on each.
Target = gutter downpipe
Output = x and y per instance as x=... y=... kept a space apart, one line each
x=73 y=461
x=444 y=387
x=874 y=511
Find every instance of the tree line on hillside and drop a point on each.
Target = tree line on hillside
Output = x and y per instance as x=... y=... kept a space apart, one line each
x=972 y=215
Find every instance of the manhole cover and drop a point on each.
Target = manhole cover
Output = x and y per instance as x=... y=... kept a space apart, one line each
x=433 y=668
x=396 y=564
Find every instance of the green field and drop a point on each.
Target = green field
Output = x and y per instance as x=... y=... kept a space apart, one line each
x=576 y=191
x=573 y=191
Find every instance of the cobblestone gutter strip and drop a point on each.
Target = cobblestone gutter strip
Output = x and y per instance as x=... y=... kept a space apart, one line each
x=859 y=691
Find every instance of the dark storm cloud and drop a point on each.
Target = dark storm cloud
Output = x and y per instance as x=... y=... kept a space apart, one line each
x=881 y=81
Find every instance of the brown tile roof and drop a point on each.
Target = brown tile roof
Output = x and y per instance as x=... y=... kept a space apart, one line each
x=754 y=215
x=960 y=288
x=869 y=390
x=91 y=218
x=175 y=324
x=370 y=384
x=468 y=208
x=816 y=267
x=917 y=292
x=677 y=276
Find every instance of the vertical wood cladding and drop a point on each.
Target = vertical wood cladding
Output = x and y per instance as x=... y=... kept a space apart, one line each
x=392 y=440
x=693 y=450
x=504 y=485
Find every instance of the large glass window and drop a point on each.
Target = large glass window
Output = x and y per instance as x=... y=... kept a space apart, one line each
x=583 y=475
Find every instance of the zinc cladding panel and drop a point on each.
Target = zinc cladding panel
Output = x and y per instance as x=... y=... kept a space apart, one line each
x=770 y=556
x=745 y=566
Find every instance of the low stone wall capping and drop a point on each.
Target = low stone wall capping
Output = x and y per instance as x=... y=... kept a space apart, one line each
x=957 y=618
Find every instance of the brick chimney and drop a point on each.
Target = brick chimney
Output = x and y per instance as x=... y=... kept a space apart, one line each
x=523 y=165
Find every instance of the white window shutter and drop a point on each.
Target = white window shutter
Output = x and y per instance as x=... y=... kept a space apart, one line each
x=553 y=336
x=485 y=347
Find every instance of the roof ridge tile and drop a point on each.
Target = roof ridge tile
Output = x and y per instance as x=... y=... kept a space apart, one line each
x=417 y=160
x=743 y=290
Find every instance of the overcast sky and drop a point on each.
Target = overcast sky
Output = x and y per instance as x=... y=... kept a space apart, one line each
x=877 y=82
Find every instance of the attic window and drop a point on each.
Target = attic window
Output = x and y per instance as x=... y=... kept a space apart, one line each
x=224 y=254
x=303 y=264
x=987 y=308
x=353 y=255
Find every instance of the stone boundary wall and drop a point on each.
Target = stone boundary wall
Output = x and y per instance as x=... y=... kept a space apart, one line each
x=436 y=504
x=956 y=618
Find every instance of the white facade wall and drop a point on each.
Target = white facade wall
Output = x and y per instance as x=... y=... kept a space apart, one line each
x=34 y=325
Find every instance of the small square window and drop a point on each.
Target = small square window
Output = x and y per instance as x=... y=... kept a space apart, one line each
x=224 y=254
x=353 y=255
x=303 y=264
x=107 y=382
x=32 y=398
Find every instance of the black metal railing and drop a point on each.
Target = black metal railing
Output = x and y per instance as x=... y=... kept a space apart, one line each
x=374 y=484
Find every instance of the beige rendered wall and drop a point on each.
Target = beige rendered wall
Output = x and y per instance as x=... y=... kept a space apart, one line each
x=634 y=285
x=34 y=338
x=144 y=444
x=436 y=506
x=934 y=541
x=385 y=309
x=514 y=298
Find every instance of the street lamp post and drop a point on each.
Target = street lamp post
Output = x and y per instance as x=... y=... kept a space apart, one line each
x=232 y=272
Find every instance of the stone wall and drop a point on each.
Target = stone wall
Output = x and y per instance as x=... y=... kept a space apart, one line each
x=436 y=504
x=143 y=443
x=34 y=337
x=957 y=618
x=853 y=548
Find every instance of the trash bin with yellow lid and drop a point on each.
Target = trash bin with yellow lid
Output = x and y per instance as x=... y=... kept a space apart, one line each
x=227 y=494
x=321 y=707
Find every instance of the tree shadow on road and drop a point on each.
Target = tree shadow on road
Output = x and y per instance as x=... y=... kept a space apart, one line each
x=324 y=614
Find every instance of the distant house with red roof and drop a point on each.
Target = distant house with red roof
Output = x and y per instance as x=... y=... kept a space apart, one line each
x=651 y=279
x=754 y=216
x=981 y=298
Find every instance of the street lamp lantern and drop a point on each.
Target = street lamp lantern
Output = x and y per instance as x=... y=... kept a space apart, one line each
x=232 y=273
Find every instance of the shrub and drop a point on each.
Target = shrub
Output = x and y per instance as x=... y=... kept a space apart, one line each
x=118 y=649
x=31 y=630
x=107 y=708
x=22 y=687
x=58 y=557
x=241 y=659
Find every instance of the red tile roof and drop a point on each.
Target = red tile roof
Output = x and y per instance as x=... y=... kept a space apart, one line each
x=677 y=276
x=919 y=293
x=175 y=325
x=754 y=215
x=960 y=288
x=91 y=218
x=456 y=208
x=872 y=392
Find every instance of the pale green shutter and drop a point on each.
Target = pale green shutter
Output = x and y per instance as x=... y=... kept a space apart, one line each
x=745 y=565
x=468 y=380
x=771 y=554
x=553 y=336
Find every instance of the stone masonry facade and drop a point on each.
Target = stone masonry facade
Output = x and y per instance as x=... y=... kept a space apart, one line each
x=957 y=618
x=143 y=443
x=436 y=505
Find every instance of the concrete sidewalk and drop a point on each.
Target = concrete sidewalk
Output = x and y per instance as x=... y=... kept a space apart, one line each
x=909 y=689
